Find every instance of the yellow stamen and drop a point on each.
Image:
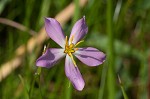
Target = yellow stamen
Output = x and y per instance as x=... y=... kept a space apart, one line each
x=79 y=43
x=70 y=48
x=44 y=50
x=73 y=60
x=75 y=49
x=71 y=45
x=72 y=51
x=71 y=39
x=66 y=41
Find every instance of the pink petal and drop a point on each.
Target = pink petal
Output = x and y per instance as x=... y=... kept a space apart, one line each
x=74 y=74
x=51 y=57
x=90 y=56
x=79 y=30
x=54 y=31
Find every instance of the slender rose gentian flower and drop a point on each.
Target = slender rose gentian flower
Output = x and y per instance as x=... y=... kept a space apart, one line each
x=88 y=55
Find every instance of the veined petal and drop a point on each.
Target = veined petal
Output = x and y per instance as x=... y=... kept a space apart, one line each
x=51 y=57
x=90 y=56
x=74 y=74
x=79 y=30
x=55 y=31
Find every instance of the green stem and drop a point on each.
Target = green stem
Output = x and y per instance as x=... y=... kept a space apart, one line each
x=37 y=74
x=123 y=92
x=31 y=88
x=68 y=90
x=122 y=88
x=40 y=87
x=110 y=53
x=103 y=79
x=24 y=85
x=143 y=71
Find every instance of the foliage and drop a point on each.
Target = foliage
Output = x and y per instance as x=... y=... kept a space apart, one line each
x=130 y=48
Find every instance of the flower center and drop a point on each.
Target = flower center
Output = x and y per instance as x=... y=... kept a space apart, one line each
x=70 y=48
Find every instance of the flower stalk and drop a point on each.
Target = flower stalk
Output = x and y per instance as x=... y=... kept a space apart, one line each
x=110 y=52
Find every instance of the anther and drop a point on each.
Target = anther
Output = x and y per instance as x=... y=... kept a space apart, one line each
x=75 y=49
x=71 y=39
x=71 y=45
x=44 y=50
x=66 y=41
x=79 y=43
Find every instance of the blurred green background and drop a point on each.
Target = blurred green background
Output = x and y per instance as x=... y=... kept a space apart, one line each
x=119 y=28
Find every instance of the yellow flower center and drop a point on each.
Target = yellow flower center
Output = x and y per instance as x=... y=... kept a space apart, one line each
x=70 y=48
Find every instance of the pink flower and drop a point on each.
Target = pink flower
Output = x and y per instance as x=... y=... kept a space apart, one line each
x=88 y=55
